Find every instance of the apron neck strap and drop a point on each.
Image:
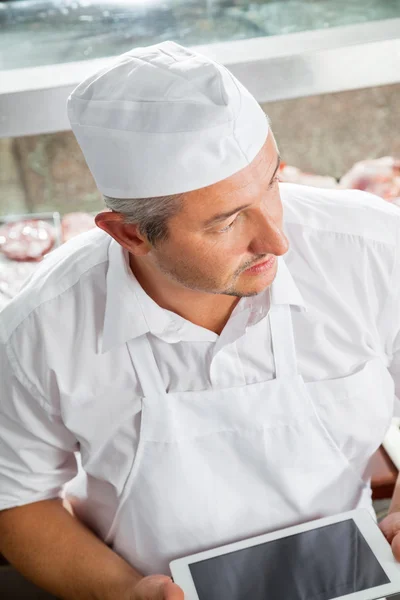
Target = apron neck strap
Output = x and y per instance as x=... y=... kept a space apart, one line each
x=283 y=347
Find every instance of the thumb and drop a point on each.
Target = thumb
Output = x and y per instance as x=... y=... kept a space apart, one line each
x=156 y=587
x=396 y=546
x=172 y=591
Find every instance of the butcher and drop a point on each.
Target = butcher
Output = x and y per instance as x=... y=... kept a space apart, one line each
x=218 y=359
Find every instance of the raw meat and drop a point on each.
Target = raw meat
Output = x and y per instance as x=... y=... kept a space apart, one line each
x=380 y=176
x=26 y=240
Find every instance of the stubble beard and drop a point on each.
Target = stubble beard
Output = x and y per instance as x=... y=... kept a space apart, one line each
x=187 y=278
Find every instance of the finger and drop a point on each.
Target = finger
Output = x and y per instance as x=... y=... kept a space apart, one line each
x=396 y=547
x=173 y=591
x=386 y=529
x=390 y=526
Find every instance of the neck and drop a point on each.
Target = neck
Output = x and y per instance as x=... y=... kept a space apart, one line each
x=211 y=311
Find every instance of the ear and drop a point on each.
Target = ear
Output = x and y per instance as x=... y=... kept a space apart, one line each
x=127 y=235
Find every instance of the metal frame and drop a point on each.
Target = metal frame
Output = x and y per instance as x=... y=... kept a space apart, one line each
x=33 y=100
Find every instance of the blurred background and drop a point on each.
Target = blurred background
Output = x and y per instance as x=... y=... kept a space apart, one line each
x=327 y=72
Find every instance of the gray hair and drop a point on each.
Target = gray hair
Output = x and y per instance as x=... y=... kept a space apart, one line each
x=150 y=214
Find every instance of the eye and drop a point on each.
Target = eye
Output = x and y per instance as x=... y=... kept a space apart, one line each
x=228 y=227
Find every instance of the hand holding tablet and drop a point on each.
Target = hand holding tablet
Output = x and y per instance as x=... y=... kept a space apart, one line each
x=345 y=557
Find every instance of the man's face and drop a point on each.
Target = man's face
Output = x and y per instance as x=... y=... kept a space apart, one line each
x=211 y=255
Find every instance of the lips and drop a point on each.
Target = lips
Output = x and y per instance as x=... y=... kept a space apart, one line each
x=262 y=262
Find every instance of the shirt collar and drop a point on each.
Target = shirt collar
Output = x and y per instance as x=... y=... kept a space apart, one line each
x=284 y=289
x=130 y=312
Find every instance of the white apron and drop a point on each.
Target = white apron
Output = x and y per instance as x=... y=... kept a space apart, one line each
x=218 y=466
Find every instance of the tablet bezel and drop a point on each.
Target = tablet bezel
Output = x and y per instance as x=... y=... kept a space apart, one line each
x=363 y=519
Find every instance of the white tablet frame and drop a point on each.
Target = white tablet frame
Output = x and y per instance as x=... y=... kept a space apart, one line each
x=363 y=519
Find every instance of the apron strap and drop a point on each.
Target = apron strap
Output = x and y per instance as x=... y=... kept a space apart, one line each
x=148 y=374
x=283 y=346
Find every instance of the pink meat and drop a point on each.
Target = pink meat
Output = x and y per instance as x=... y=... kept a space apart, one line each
x=26 y=240
x=380 y=176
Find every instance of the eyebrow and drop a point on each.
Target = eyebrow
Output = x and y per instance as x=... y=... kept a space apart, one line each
x=226 y=215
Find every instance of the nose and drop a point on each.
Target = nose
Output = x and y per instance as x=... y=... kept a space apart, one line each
x=268 y=237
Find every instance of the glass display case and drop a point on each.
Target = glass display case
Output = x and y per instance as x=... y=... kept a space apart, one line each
x=43 y=32
x=279 y=49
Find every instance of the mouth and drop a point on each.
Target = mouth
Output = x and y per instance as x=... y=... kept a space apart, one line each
x=263 y=265
x=261 y=262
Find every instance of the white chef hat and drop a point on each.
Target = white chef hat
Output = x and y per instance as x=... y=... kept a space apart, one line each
x=162 y=120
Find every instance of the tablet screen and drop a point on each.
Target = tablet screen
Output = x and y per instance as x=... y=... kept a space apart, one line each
x=320 y=564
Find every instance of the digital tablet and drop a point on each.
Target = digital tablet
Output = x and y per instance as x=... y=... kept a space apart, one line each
x=343 y=557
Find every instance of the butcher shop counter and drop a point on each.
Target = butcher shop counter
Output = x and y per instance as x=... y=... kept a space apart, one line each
x=26 y=239
x=278 y=49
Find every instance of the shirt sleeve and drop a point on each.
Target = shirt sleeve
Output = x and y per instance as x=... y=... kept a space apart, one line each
x=393 y=346
x=36 y=449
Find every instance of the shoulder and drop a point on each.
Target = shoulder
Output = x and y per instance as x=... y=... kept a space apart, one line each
x=63 y=276
x=346 y=212
x=344 y=252
x=56 y=316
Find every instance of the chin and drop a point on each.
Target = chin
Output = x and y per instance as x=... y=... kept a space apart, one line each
x=254 y=290
x=245 y=285
x=248 y=290
x=258 y=285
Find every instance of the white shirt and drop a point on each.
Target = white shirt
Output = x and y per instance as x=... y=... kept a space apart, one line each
x=63 y=338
